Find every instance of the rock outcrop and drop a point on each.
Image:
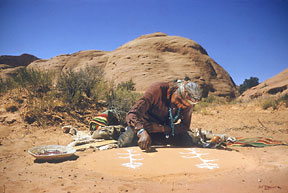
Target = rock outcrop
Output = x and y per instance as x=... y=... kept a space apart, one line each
x=150 y=58
x=10 y=64
x=273 y=86
x=15 y=61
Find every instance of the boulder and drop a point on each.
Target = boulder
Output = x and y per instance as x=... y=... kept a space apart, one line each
x=277 y=85
x=9 y=65
x=150 y=58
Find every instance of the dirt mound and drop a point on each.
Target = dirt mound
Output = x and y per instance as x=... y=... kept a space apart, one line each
x=10 y=64
x=274 y=86
x=150 y=58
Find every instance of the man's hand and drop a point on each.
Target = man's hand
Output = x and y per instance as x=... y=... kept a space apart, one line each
x=144 y=141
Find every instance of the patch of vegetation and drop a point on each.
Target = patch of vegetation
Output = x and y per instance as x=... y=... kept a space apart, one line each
x=267 y=103
x=35 y=82
x=42 y=110
x=275 y=102
x=6 y=85
x=129 y=85
x=248 y=83
x=284 y=99
x=122 y=99
x=86 y=87
x=3 y=86
x=265 y=85
x=209 y=101
x=75 y=95
x=78 y=86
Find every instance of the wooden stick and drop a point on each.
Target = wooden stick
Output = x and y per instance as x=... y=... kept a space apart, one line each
x=262 y=124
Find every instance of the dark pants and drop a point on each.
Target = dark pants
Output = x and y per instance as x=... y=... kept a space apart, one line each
x=129 y=138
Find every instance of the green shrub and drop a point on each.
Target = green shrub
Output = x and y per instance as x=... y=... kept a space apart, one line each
x=129 y=85
x=284 y=99
x=6 y=85
x=275 y=102
x=209 y=101
x=270 y=102
x=122 y=99
x=75 y=86
x=34 y=81
x=42 y=109
x=86 y=87
x=101 y=90
x=248 y=83
x=68 y=85
x=3 y=87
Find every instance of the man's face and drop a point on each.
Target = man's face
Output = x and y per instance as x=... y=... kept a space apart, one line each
x=180 y=102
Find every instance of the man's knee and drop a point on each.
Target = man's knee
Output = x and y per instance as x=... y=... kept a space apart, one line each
x=184 y=139
x=128 y=138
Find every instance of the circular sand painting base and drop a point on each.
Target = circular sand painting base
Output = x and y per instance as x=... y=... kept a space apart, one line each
x=164 y=161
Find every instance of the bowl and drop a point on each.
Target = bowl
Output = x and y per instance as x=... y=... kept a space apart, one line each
x=51 y=152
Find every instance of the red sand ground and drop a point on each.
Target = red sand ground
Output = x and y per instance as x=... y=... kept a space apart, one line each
x=244 y=169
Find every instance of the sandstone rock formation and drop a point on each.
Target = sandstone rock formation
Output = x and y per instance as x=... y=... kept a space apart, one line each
x=10 y=64
x=150 y=58
x=274 y=86
x=74 y=61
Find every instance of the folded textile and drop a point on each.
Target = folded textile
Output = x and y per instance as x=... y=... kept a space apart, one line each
x=109 y=117
x=255 y=142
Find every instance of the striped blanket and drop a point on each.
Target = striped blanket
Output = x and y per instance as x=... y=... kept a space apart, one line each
x=255 y=142
x=109 y=117
x=98 y=121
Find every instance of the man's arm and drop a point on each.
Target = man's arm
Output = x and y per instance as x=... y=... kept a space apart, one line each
x=135 y=116
x=136 y=121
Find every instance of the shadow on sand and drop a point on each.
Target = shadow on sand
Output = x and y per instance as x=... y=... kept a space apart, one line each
x=71 y=158
x=155 y=147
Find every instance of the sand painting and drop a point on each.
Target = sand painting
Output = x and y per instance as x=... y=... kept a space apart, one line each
x=196 y=154
x=191 y=154
x=132 y=162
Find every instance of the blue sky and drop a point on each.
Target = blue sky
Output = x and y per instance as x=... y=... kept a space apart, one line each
x=246 y=37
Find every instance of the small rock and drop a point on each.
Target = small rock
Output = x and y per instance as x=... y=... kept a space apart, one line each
x=66 y=129
x=2 y=119
x=57 y=118
x=10 y=121
x=29 y=117
x=11 y=108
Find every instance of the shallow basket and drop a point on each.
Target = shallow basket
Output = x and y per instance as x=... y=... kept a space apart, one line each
x=50 y=152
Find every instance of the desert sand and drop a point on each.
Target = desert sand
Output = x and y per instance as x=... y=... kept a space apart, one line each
x=167 y=169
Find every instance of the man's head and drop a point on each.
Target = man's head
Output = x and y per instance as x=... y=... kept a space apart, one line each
x=187 y=93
